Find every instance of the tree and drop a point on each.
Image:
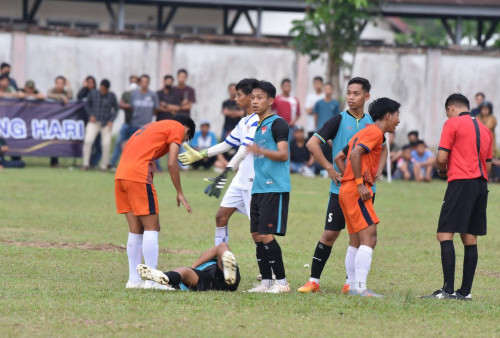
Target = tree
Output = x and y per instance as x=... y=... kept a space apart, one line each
x=332 y=27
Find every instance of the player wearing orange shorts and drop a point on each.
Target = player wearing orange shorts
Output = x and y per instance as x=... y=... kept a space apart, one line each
x=135 y=193
x=355 y=197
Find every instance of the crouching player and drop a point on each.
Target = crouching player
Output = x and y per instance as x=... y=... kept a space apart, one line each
x=355 y=196
x=215 y=270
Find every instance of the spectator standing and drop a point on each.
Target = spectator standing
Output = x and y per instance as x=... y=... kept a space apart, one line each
x=6 y=90
x=285 y=105
x=326 y=108
x=102 y=108
x=301 y=160
x=479 y=101
x=30 y=92
x=204 y=139
x=186 y=93
x=5 y=69
x=425 y=158
x=489 y=120
x=61 y=92
x=169 y=99
x=311 y=100
x=232 y=114
x=123 y=134
x=89 y=84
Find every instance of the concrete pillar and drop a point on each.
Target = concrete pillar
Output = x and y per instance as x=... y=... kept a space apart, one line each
x=165 y=60
x=458 y=32
x=301 y=84
x=258 y=29
x=433 y=104
x=18 y=58
x=121 y=15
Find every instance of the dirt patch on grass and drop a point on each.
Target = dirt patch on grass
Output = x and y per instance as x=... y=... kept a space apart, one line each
x=108 y=247
x=489 y=273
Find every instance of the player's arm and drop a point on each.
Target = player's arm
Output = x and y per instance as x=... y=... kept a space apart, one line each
x=445 y=145
x=327 y=132
x=340 y=159
x=205 y=257
x=355 y=159
x=382 y=162
x=173 y=170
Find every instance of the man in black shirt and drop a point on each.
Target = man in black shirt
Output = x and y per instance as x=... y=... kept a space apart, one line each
x=301 y=159
x=232 y=114
x=170 y=100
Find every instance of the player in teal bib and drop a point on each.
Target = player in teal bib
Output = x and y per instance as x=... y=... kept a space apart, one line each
x=339 y=129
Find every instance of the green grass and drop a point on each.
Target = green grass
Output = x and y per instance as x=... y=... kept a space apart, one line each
x=80 y=292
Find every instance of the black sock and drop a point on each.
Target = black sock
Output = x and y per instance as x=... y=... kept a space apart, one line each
x=448 y=262
x=275 y=258
x=263 y=261
x=174 y=278
x=470 y=263
x=320 y=257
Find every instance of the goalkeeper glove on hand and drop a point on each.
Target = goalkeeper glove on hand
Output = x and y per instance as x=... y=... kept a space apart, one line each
x=217 y=184
x=190 y=155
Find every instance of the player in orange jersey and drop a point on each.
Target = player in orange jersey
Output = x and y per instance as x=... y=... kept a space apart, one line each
x=363 y=158
x=135 y=193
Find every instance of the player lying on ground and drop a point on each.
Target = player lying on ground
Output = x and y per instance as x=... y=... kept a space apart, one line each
x=136 y=195
x=215 y=270
x=238 y=195
x=355 y=197
x=339 y=130
x=464 y=156
x=270 y=190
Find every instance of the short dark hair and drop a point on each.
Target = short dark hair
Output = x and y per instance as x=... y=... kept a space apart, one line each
x=247 y=85
x=365 y=84
x=267 y=87
x=382 y=106
x=186 y=121
x=406 y=147
x=133 y=77
x=60 y=77
x=413 y=132
x=4 y=65
x=457 y=99
x=487 y=104
x=182 y=70
x=3 y=76
x=168 y=76
x=480 y=94
x=318 y=78
x=419 y=142
x=106 y=83
x=144 y=75
x=90 y=77
x=285 y=80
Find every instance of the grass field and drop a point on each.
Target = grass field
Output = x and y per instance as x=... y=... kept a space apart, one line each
x=63 y=266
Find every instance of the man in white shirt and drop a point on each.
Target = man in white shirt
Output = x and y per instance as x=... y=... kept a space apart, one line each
x=311 y=100
x=238 y=195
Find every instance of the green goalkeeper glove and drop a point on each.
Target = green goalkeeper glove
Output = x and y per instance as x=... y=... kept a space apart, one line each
x=217 y=184
x=191 y=155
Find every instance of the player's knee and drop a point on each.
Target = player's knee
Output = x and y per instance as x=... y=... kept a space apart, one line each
x=329 y=237
x=221 y=219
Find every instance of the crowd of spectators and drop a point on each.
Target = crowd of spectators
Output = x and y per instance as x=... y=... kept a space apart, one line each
x=141 y=105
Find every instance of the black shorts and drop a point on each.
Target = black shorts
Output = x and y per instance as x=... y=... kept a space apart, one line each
x=269 y=213
x=334 y=216
x=464 y=207
x=211 y=278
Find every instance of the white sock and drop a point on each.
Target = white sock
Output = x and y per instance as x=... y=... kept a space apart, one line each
x=267 y=282
x=221 y=235
x=150 y=248
x=315 y=280
x=349 y=266
x=282 y=281
x=362 y=264
x=134 y=253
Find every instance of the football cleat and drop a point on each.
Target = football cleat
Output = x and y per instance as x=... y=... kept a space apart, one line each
x=441 y=294
x=151 y=274
x=138 y=285
x=278 y=288
x=260 y=288
x=345 y=289
x=309 y=287
x=229 y=267
x=370 y=293
x=458 y=296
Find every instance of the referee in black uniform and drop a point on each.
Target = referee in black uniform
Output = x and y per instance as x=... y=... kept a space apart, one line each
x=464 y=156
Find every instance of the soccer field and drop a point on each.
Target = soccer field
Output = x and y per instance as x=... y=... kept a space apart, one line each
x=64 y=267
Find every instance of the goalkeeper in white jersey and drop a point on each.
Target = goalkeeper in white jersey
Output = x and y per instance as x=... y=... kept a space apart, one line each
x=239 y=193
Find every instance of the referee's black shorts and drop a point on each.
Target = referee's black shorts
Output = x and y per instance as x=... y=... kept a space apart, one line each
x=464 y=207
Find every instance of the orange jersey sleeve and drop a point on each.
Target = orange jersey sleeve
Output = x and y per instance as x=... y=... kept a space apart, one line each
x=149 y=143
